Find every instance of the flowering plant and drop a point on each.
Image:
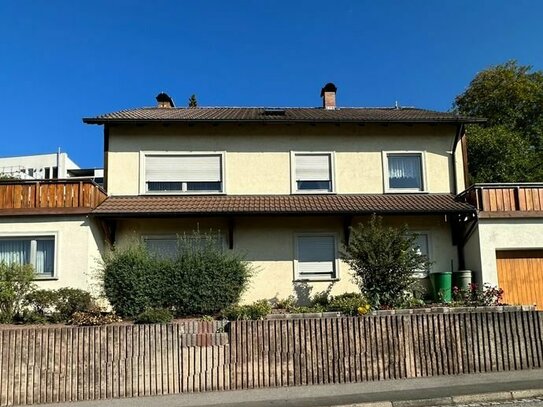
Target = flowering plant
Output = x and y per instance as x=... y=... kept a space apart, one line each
x=475 y=295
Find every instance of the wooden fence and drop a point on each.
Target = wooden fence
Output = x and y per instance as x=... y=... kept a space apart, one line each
x=39 y=365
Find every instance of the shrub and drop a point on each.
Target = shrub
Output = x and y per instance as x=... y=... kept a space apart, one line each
x=254 y=311
x=201 y=280
x=134 y=280
x=93 y=318
x=348 y=303
x=15 y=284
x=42 y=302
x=475 y=296
x=384 y=261
x=154 y=316
x=72 y=300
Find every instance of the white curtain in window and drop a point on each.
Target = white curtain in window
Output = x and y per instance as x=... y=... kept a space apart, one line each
x=316 y=256
x=186 y=168
x=162 y=247
x=312 y=167
x=405 y=167
x=15 y=251
x=45 y=256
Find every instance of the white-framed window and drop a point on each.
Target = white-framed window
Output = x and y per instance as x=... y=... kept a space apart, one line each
x=404 y=171
x=182 y=173
x=312 y=172
x=422 y=246
x=316 y=257
x=38 y=251
x=167 y=246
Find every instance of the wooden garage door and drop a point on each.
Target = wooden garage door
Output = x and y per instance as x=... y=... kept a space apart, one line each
x=520 y=274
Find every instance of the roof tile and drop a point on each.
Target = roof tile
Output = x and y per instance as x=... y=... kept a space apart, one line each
x=165 y=205
x=291 y=114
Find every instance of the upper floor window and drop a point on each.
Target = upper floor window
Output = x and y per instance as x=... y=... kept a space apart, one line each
x=183 y=173
x=38 y=251
x=405 y=172
x=313 y=172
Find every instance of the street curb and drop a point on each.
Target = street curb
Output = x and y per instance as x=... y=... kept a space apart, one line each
x=455 y=400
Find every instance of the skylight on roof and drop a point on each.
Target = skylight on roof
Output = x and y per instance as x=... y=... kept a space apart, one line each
x=274 y=111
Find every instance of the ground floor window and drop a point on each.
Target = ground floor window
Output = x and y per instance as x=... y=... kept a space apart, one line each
x=316 y=257
x=167 y=246
x=37 y=251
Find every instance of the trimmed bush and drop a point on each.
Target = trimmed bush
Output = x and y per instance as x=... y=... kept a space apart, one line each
x=72 y=300
x=42 y=302
x=201 y=280
x=347 y=304
x=16 y=281
x=154 y=316
x=254 y=311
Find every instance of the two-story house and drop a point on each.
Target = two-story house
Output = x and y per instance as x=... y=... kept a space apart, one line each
x=283 y=185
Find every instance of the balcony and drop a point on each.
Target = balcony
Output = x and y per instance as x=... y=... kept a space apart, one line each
x=506 y=200
x=49 y=197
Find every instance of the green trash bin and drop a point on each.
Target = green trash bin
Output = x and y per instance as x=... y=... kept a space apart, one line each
x=462 y=279
x=442 y=285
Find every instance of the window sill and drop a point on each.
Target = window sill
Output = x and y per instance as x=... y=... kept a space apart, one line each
x=315 y=280
x=45 y=278
x=405 y=191
x=158 y=193
x=314 y=192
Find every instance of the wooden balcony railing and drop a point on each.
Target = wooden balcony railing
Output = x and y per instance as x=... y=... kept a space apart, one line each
x=49 y=196
x=506 y=200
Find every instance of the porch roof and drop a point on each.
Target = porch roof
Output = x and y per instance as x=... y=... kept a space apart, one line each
x=168 y=205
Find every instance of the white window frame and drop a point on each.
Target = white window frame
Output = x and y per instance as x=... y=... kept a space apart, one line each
x=297 y=277
x=33 y=236
x=386 y=177
x=424 y=273
x=143 y=186
x=294 y=185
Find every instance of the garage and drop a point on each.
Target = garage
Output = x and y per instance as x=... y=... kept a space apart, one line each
x=520 y=274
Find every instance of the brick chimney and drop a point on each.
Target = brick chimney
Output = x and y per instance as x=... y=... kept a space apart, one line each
x=328 y=95
x=164 y=101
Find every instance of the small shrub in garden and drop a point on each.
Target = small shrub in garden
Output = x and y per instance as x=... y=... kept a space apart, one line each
x=154 y=316
x=71 y=300
x=254 y=311
x=16 y=282
x=42 y=302
x=475 y=296
x=384 y=261
x=347 y=304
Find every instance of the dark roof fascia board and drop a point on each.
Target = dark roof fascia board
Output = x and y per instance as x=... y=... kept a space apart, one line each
x=101 y=121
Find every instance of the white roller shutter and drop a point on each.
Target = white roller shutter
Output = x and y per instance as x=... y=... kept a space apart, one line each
x=312 y=167
x=316 y=257
x=186 y=168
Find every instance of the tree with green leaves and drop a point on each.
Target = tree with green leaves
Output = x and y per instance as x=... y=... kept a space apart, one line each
x=192 y=101
x=509 y=146
x=384 y=261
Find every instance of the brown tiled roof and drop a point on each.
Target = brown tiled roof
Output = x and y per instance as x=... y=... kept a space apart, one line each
x=279 y=204
x=289 y=114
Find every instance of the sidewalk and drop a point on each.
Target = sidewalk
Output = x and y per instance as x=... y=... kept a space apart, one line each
x=345 y=394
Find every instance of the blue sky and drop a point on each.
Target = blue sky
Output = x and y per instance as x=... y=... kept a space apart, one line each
x=63 y=60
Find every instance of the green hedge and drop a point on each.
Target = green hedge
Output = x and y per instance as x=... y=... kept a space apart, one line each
x=202 y=279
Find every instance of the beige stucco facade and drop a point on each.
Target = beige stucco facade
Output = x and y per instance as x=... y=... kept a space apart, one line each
x=269 y=244
x=78 y=247
x=257 y=158
x=500 y=234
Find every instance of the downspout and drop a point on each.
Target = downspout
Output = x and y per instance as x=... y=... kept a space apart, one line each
x=458 y=135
